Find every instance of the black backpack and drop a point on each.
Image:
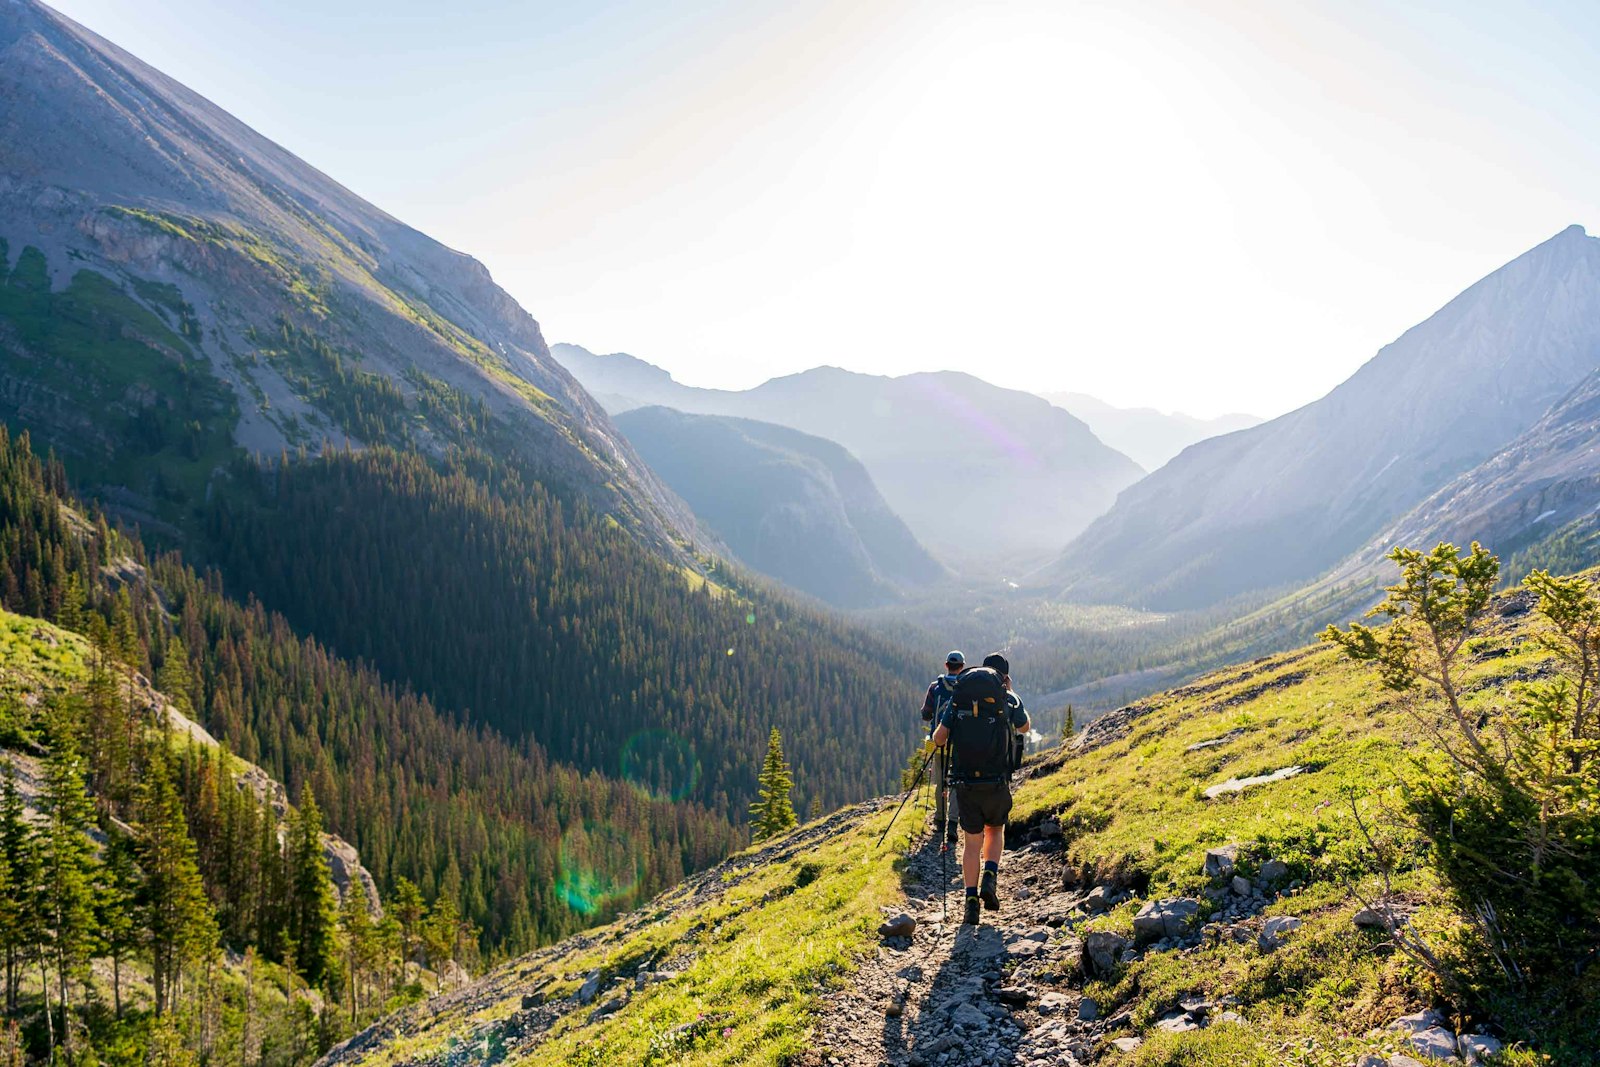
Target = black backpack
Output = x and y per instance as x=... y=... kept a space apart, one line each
x=982 y=689
x=980 y=743
x=1019 y=740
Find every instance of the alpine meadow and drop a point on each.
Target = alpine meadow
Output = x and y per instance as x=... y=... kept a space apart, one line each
x=1060 y=535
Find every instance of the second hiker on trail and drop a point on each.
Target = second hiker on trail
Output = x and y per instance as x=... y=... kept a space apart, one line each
x=940 y=693
x=979 y=727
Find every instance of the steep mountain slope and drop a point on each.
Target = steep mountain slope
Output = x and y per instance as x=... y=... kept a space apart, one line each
x=990 y=479
x=1281 y=502
x=793 y=506
x=1147 y=436
x=190 y=315
x=179 y=286
x=774 y=956
x=1542 y=488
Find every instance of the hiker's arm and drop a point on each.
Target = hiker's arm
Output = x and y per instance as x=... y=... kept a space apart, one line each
x=927 y=704
x=940 y=736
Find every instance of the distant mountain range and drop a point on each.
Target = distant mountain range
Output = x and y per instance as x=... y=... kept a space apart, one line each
x=788 y=504
x=992 y=480
x=1282 y=502
x=1147 y=436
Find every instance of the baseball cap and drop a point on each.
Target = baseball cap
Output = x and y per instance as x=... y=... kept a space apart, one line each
x=956 y=657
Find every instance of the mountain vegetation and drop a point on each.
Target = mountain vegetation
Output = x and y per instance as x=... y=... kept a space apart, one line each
x=1279 y=504
x=1288 y=776
x=993 y=481
x=789 y=505
x=522 y=849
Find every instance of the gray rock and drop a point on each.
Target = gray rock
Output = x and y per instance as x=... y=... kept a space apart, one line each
x=1434 y=1043
x=1050 y=828
x=1176 y=1022
x=901 y=925
x=531 y=1001
x=1126 y=1044
x=590 y=988
x=1274 y=871
x=1097 y=900
x=1050 y=1003
x=607 y=1008
x=1221 y=861
x=1372 y=1060
x=1274 y=928
x=1088 y=1010
x=1231 y=1016
x=1165 y=918
x=966 y=1015
x=1101 y=949
x=1397 y=1060
x=1371 y=918
x=1240 y=885
x=1422 y=1020
x=1476 y=1048
x=1014 y=994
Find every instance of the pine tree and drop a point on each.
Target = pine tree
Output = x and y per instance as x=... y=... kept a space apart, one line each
x=1069 y=725
x=408 y=909
x=313 y=907
x=815 y=811
x=19 y=913
x=66 y=863
x=773 y=814
x=178 y=924
x=116 y=901
x=355 y=923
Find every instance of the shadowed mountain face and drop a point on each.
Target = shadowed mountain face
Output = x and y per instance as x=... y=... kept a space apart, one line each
x=1285 y=500
x=148 y=235
x=793 y=506
x=1147 y=436
x=1531 y=503
x=992 y=480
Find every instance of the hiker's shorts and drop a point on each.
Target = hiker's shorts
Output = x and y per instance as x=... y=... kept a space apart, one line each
x=983 y=805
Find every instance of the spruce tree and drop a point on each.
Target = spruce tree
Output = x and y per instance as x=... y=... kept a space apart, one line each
x=313 y=906
x=178 y=924
x=1069 y=725
x=772 y=813
x=66 y=863
x=19 y=913
x=116 y=902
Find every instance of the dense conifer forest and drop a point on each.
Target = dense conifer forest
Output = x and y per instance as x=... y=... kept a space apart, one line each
x=542 y=620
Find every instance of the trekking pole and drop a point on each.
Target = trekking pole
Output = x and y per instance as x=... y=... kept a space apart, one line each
x=914 y=783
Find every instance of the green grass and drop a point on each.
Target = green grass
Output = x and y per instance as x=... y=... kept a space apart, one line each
x=113 y=380
x=760 y=948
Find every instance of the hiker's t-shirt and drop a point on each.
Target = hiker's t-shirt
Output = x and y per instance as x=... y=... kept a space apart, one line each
x=930 y=703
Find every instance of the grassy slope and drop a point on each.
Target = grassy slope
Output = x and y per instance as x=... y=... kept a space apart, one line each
x=1132 y=808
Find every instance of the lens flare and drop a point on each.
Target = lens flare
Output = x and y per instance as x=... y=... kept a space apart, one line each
x=661 y=763
x=600 y=865
x=964 y=414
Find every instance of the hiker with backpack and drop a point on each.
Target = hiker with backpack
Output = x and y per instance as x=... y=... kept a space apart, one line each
x=979 y=727
x=940 y=693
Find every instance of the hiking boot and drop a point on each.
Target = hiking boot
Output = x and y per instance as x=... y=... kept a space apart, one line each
x=989 y=890
x=969 y=917
x=950 y=835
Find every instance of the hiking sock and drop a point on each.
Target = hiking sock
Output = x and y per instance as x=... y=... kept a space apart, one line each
x=990 y=883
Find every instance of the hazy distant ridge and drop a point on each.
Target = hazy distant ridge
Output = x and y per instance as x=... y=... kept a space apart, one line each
x=992 y=480
x=1147 y=436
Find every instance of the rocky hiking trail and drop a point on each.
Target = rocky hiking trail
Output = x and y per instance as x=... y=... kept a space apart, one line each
x=1003 y=992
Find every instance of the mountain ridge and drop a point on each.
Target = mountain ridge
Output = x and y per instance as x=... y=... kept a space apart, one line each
x=1028 y=474
x=793 y=506
x=1283 y=501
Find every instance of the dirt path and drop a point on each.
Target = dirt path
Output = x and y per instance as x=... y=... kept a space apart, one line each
x=1003 y=992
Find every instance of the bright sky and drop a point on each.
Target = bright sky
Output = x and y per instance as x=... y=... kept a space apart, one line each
x=1208 y=207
